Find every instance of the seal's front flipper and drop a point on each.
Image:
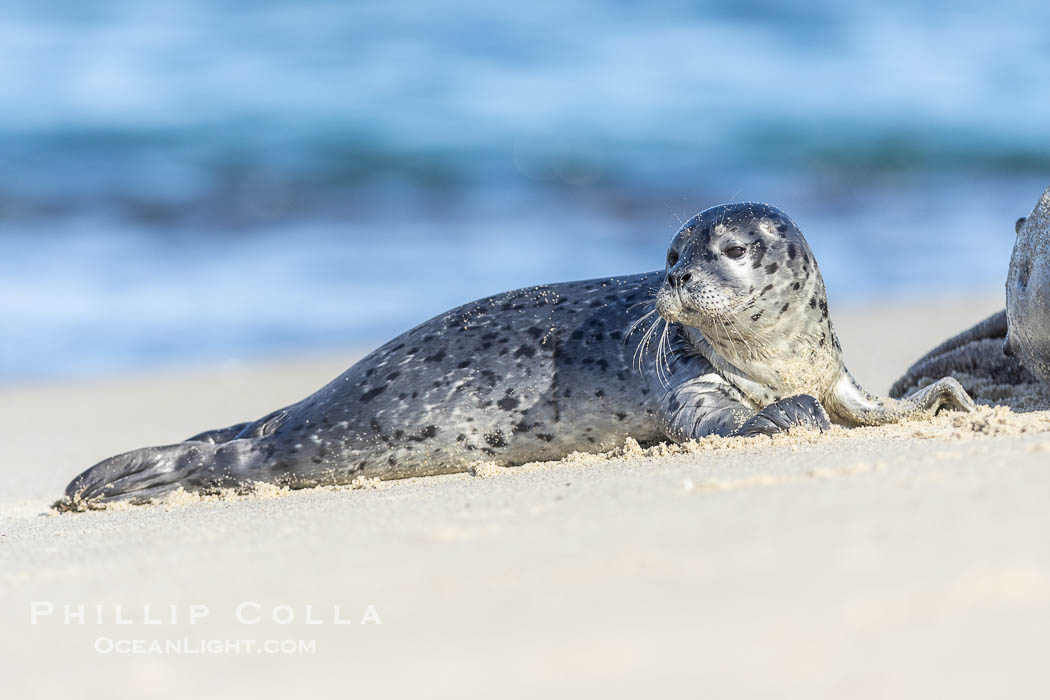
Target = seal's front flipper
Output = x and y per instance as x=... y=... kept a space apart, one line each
x=852 y=405
x=698 y=401
x=140 y=475
x=944 y=394
x=801 y=411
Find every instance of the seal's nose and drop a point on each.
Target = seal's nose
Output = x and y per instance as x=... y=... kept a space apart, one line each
x=677 y=279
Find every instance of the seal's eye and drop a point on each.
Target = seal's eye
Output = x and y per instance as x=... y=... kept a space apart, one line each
x=734 y=251
x=672 y=258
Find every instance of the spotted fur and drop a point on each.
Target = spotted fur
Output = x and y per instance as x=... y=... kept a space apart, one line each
x=537 y=373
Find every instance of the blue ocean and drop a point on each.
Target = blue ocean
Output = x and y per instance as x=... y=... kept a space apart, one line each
x=190 y=182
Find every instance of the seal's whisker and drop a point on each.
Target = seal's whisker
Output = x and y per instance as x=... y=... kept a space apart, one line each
x=647 y=341
x=668 y=352
x=630 y=331
x=640 y=348
x=643 y=344
x=662 y=352
x=659 y=358
x=641 y=319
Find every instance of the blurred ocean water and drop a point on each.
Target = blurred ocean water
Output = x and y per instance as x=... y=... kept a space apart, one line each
x=196 y=181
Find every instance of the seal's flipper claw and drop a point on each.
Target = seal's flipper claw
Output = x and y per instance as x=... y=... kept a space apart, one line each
x=943 y=395
x=793 y=412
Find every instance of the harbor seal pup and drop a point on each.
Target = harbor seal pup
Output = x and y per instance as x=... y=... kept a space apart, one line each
x=1006 y=357
x=736 y=341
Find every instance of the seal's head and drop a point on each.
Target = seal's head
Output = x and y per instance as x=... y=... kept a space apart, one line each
x=740 y=263
x=743 y=276
x=1028 y=292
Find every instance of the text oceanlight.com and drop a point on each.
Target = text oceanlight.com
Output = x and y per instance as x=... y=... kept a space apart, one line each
x=191 y=647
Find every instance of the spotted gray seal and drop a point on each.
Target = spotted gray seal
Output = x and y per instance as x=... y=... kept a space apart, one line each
x=1010 y=349
x=736 y=341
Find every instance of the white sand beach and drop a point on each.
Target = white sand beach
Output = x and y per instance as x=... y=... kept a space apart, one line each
x=910 y=561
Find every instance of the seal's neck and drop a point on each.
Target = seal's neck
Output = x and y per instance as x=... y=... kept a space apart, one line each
x=776 y=348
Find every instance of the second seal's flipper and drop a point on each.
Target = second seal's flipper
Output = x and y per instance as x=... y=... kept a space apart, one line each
x=975 y=357
x=992 y=328
x=140 y=475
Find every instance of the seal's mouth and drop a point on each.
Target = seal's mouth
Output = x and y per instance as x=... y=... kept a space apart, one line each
x=696 y=309
x=669 y=304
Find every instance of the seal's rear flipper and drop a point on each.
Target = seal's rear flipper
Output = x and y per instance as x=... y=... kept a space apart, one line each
x=140 y=475
x=973 y=355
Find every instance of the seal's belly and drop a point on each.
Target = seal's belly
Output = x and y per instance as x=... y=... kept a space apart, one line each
x=529 y=375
